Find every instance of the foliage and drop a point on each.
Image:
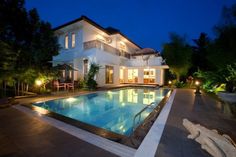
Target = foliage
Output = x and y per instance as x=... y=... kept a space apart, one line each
x=199 y=56
x=230 y=78
x=90 y=81
x=179 y=84
x=222 y=49
x=27 y=44
x=32 y=40
x=213 y=81
x=178 y=55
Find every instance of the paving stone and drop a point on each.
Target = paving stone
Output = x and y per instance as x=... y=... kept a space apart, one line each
x=200 y=109
x=22 y=135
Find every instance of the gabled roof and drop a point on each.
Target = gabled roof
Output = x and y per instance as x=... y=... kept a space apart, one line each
x=108 y=30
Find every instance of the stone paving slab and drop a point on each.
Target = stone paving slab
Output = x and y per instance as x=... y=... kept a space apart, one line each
x=200 y=109
x=23 y=136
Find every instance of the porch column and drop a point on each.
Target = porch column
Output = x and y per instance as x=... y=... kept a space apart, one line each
x=140 y=75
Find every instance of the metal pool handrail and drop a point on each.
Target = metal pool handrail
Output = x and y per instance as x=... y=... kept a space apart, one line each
x=139 y=114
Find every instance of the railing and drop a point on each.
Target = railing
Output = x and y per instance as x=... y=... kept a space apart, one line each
x=139 y=115
x=100 y=45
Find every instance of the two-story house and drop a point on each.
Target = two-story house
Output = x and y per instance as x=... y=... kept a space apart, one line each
x=122 y=61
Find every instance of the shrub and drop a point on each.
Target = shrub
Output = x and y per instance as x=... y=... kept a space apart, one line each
x=179 y=84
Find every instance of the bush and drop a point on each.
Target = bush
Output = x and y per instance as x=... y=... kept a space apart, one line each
x=90 y=83
x=179 y=84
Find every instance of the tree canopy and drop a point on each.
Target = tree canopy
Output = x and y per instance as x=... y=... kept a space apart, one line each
x=27 y=44
x=178 y=55
x=31 y=39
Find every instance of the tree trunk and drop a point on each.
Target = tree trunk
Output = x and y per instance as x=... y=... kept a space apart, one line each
x=15 y=89
x=27 y=87
x=18 y=87
x=22 y=87
x=177 y=77
x=5 y=86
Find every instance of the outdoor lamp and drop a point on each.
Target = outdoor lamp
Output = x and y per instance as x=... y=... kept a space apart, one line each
x=169 y=83
x=38 y=82
x=197 y=83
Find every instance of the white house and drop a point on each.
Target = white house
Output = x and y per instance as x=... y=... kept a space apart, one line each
x=122 y=61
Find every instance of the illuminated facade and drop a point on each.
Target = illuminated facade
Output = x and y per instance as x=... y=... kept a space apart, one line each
x=122 y=61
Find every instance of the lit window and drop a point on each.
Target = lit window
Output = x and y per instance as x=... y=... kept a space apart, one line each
x=73 y=40
x=70 y=74
x=109 y=74
x=66 y=42
x=63 y=73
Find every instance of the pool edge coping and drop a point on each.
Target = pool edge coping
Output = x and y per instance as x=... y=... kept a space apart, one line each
x=151 y=141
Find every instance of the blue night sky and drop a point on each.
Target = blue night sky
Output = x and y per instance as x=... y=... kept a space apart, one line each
x=146 y=22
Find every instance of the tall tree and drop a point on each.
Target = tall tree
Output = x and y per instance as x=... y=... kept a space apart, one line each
x=26 y=42
x=178 y=55
x=199 y=60
x=222 y=50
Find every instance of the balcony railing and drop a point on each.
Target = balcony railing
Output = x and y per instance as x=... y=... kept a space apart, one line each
x=100 y=45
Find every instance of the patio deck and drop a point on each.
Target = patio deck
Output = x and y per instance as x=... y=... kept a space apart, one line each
x=24 y=135
x=200 y=109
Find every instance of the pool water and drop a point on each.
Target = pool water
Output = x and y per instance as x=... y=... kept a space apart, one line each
x=112 y=110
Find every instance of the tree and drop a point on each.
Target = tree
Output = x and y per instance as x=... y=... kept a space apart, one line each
x=222 y=49
x=200 y=48
x=27 y=44
x=90 y=81
x=178 y=55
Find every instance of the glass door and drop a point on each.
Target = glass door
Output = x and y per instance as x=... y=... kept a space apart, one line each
x=109 y=74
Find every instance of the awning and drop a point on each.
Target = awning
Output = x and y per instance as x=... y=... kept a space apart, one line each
x=64 y=67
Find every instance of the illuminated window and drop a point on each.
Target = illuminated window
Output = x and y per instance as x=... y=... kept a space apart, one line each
x=122 y=46
x=132 y=75
x=109 y=74
x=63 y=73
x=73 y=40
x=122 y=76
x=66 y=42
x=149 y=76
x=70 y=74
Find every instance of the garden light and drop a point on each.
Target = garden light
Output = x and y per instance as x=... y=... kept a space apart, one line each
x=197 y=83
x=38 y=82
x=169 y=82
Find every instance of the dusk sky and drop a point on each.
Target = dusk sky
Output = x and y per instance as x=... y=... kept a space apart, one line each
x=146 y=22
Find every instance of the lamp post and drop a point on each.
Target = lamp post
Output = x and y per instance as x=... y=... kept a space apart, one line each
x=38 y=83
x=169 y=82
x=197 y=83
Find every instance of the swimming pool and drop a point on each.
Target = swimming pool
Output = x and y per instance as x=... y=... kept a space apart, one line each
x=112 y=110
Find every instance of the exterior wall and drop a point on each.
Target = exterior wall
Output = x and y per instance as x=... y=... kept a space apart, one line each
x=103 y=58
x=140 y=61
x=85 y=32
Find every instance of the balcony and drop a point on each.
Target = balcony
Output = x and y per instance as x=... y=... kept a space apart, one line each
x=105 y=47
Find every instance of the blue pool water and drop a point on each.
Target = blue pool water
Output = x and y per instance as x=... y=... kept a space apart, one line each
x=112 y=110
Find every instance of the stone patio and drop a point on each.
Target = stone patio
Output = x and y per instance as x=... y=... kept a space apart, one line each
x=199 y=109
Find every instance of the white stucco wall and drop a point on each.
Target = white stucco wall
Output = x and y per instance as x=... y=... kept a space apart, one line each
x=86 y=32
